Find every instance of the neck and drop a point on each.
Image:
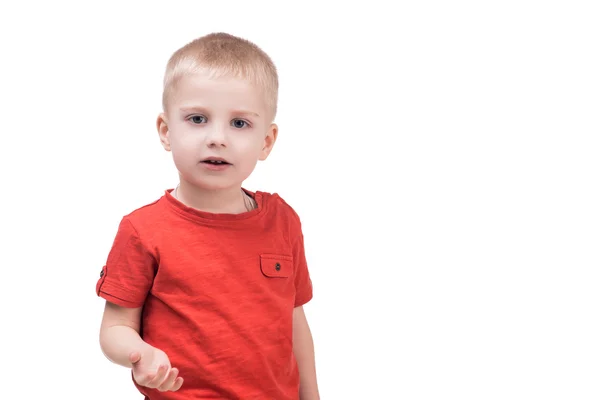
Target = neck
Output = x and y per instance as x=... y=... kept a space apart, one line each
x=218 y=201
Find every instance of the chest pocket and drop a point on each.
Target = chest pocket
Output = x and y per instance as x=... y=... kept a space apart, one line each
x=276 y=265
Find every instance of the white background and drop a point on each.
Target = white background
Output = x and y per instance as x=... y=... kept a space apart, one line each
x=443 y=157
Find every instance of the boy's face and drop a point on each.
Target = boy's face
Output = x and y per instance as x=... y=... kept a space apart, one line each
x=225 y=119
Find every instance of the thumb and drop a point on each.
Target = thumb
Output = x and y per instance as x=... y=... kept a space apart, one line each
x=135 y=357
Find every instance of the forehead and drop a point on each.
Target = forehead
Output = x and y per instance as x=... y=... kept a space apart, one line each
x=200 y=89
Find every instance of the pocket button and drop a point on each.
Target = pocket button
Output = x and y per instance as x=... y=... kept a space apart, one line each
x=276 y=265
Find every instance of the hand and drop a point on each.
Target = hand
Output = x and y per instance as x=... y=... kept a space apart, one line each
x=152 y=368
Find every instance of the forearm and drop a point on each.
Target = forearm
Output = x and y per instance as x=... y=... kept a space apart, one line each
x=119 y=341
x=304 y=353
x=305 y=357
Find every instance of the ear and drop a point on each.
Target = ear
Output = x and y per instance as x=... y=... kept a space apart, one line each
x=270 y=139
x=163 y=131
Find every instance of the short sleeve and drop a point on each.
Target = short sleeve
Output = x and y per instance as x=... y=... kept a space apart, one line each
x=302 y=280
x=127 y=276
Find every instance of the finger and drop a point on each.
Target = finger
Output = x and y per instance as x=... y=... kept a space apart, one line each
x=169 y=380
x=159 y=377
x=177 y=384
x=144 y=379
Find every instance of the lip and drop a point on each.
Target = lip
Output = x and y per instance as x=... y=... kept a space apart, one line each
x=215 y=167
x=215 y=159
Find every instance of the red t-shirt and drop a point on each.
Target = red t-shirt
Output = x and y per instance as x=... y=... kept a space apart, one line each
x=218 y=292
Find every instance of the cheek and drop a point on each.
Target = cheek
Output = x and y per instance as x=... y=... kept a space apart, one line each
x=249 y=145
x=183 y=139
x=252 y=143
x=251 y=151
x=184 y=148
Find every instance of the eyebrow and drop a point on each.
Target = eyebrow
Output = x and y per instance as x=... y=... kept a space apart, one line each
x=202 y=109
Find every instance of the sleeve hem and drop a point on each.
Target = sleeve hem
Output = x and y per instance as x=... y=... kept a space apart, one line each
x=118 y=296
x=302 y=300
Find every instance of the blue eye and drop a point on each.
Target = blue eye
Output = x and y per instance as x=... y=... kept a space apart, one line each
x=239 y=123
x=198 y=119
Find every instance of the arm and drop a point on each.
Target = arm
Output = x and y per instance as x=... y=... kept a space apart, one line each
x=119 y=334
x=121 y=343
x=305 y=356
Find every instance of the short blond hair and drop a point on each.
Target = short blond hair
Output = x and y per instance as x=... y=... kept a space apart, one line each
x=223 y=54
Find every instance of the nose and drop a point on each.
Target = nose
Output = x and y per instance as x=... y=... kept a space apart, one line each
x=216 y=136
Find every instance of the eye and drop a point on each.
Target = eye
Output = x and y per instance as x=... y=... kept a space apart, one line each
x=239 y=123
x=197 y=119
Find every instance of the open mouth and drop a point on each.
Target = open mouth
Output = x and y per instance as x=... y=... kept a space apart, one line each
x=216 y=162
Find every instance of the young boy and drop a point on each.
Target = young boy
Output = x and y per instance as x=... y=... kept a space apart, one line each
x=204 y=287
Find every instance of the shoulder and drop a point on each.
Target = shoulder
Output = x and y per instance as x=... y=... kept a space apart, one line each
x=142 y=226
x=282 y=208
x=146 y=214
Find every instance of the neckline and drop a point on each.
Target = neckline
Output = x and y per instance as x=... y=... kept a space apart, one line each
x=209 y=217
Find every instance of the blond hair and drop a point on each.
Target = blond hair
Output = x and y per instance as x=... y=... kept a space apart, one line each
x=222 y=54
